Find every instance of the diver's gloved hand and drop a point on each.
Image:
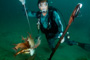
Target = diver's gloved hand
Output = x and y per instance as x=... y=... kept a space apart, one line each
x=22 y=1
x=62 y=39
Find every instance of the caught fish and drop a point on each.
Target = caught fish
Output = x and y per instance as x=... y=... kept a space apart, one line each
x=22 y=45
x=28 y=46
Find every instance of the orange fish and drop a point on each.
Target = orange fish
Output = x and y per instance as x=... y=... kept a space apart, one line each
x=22 y=45
x=28 y=46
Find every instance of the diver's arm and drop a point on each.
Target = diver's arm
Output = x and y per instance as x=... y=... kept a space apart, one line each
x=32 y=14
x=29 y=13
x=58 y=21
x=60 y=26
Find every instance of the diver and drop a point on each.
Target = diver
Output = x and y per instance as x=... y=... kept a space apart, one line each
x=49 y=23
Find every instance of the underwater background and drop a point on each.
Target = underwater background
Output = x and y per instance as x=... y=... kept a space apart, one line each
x=13 y=25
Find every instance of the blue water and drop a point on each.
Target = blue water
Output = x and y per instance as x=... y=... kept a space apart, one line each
x=13 y=25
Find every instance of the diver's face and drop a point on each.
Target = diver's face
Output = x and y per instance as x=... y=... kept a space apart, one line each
x=43 y=6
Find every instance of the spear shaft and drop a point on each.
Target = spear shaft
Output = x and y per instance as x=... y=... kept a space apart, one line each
x=74 y=14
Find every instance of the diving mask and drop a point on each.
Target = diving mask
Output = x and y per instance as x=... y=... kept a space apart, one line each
x=43 y=6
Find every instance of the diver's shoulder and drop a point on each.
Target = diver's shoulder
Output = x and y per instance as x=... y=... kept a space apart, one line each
x=55 y=12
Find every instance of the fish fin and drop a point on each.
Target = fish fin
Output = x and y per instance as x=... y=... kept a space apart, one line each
x=14 y=49
x=29 y=35
x=38 y=43
x=24 y=38
x=21 y=51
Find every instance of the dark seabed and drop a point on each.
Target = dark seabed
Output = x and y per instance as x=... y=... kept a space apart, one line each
x=13 y=25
